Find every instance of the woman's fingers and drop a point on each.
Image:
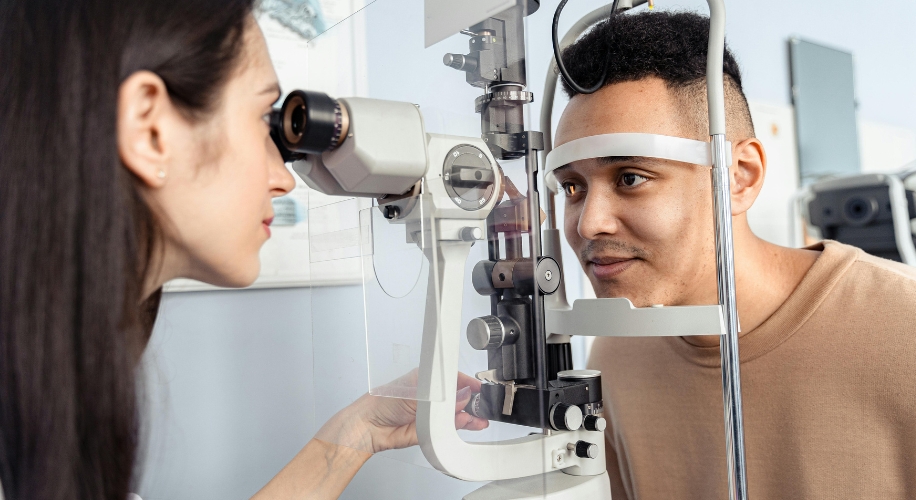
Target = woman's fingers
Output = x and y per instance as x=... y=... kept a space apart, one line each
x=470 y=422
x=462 y=398
x=464 y=420
x=465 y=380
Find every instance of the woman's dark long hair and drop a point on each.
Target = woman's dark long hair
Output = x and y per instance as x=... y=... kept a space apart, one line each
x=76 y=237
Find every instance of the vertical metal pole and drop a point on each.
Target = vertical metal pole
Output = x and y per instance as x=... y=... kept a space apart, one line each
x=725 y=254
x=537 y=300
x=731 y=362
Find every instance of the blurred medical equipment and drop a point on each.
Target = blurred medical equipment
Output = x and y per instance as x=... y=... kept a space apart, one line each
x=824 y=98
x=449 y=192
x=872 y=211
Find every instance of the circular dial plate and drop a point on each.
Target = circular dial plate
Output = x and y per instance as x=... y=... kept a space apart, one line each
x=469 y=177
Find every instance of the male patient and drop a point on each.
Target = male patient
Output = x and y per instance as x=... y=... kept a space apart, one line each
x=828 y=351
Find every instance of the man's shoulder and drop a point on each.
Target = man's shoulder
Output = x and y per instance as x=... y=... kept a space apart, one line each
x=870 y=283
x=884 y=268
x=867 y=271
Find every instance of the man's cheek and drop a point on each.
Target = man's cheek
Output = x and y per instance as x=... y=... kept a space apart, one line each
x=660 y=223
x=571 y=227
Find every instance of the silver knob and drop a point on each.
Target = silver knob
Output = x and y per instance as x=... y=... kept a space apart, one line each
x=460 y=62
x=565 y=417
x=486 y=332
x=584 y=449
x=470 y=233
x=594 y=423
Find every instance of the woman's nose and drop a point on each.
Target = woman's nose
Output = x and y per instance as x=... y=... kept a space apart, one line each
x=281 y=181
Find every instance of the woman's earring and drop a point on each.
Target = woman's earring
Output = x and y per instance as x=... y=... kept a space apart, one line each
x=161 y=174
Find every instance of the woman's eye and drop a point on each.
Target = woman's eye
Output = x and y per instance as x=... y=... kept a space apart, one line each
x=266 y=118
x=571 y=188
x=632 y=180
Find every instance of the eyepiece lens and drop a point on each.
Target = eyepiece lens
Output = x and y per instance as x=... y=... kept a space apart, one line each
x=297 y=121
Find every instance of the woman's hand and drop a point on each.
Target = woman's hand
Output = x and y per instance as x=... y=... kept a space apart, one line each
x=373 y=423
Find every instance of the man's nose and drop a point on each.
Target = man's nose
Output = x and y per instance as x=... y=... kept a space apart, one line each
x=598 y=217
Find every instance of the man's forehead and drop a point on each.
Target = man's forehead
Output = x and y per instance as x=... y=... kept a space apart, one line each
x=644 y=106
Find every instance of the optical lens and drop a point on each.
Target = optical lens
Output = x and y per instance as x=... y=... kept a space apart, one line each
x=297 y=121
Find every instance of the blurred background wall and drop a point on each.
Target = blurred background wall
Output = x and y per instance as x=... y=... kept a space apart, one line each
x=232 y=390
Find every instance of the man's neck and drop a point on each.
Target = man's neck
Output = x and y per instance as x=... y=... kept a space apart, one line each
x=765 y=276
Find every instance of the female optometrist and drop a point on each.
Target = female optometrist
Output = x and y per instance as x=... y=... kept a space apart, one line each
x=134 y=149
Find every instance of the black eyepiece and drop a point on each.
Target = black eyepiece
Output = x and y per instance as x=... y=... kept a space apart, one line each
x=308 y=122
x=297 y=123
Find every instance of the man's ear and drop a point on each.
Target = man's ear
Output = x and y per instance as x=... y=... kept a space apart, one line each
x=749 y=166
x=143 y=103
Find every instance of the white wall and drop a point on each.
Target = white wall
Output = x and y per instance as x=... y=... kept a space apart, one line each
x=234 y=392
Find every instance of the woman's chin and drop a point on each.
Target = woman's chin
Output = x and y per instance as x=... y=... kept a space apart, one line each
x=236 y=277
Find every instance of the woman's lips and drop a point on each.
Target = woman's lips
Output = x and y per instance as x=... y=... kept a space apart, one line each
x=266 y=224
x=607 y=269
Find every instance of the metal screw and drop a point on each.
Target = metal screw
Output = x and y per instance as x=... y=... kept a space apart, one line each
x=548 y=275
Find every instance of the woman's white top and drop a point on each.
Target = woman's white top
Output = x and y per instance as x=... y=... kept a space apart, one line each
x=130 y=496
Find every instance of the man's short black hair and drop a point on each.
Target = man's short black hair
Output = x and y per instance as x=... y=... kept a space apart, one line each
x=671 y=46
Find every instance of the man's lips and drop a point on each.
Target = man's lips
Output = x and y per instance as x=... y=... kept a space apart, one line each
x=610 y=267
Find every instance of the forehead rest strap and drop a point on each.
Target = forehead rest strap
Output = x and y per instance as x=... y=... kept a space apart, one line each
x=664 y=147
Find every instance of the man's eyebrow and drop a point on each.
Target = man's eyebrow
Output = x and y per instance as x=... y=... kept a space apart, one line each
x=610 y=160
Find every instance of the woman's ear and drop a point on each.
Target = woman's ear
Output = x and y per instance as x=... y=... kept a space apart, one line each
x=143 y=103
x=748 y=170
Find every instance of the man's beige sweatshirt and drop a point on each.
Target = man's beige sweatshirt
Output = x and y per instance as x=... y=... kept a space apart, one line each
x=829 y=391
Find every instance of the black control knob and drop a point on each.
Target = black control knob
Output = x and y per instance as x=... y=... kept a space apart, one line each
x=475 y=406
x=594 y=423
x=584 y=449
x=565 y=417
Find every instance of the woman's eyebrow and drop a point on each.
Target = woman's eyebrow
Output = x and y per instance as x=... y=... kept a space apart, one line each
x=272 y=88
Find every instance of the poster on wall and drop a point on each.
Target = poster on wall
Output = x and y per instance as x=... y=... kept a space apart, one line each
x=315 y=45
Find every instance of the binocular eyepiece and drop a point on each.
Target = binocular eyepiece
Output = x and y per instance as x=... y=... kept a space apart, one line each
x=308 y=123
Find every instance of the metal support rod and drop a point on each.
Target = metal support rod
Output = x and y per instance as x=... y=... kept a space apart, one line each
x=537 y=300
x=731 y=361
x=551 y=209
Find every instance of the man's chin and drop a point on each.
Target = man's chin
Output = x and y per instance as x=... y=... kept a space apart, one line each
x=619 y=289
x=610 y=289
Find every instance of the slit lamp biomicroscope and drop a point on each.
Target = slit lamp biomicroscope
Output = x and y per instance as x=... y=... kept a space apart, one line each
x=449 y=192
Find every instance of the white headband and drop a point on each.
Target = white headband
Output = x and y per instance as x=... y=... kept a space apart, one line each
x=665 y=147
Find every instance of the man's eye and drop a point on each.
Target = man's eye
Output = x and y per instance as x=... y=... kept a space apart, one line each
x=632 y=180
x=571 y=188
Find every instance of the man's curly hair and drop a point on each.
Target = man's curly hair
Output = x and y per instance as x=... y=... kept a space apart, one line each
x=671 y=46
